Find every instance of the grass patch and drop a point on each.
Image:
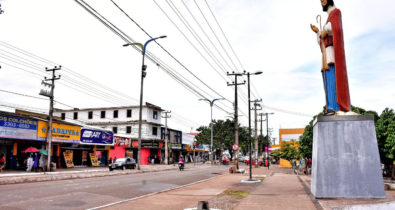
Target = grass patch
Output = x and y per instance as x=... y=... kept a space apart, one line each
x=237 y=193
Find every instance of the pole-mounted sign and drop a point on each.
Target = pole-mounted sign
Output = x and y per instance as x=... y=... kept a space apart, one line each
x=235 y=147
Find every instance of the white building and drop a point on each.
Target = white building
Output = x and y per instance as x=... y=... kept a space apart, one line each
x=121 y=120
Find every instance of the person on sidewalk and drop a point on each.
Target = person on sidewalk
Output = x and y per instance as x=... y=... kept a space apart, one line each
x=2 y=162
x=30 y=163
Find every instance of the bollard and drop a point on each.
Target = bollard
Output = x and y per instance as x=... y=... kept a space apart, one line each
x=203 y=205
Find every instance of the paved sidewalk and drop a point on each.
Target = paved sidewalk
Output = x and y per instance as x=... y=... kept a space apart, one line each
x=217 y=191
x=14 y=177
x=278 y=191
x=281 y=189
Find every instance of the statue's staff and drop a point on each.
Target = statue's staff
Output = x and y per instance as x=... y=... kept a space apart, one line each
x=324 y=61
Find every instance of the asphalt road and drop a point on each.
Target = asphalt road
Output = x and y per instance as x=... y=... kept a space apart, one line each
x=93 y=192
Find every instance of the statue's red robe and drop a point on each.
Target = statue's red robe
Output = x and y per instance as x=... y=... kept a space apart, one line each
x=342 y=91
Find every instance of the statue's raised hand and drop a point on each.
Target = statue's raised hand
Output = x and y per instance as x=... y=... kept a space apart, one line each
x=314 y=28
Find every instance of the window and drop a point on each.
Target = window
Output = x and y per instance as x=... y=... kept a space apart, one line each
x=155 y=116
x=154 y=131
x=129 y=113
x=75 y=117
x=63 y=116
x=103 y=114
x=90 y=115
x=128 y=129
x=115 y=113
x=115 y=129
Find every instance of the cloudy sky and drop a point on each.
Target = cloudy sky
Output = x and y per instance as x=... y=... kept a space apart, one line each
x=266 y=35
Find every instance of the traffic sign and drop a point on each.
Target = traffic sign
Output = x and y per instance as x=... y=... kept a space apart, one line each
x=235 y=147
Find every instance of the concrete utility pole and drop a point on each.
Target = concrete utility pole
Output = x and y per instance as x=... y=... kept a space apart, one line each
x=50 y=94
x=261 y=144
x=256 y=130
x=267 y=127
x=236 y=115
x=166 y=139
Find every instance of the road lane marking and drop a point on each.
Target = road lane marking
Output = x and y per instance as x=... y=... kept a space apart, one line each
x=153 y=193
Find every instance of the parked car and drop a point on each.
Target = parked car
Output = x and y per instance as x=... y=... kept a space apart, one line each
x=260 y=163
x=123 y=163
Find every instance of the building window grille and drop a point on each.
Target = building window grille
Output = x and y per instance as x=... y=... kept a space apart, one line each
x=154 y=131
x=75 y=117
x=90 y=115
x=129 y=113
x=128 y=129
x=115 y=113
x=115 y=129
x=63 y=116
x=103 y=114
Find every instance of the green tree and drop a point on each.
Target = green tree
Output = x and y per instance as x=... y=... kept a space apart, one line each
x=289 y=151
x=306 y=140
x=223 y=135
x=385 y=131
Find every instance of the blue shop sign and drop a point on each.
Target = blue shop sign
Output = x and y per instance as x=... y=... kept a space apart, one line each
x=96 y=137
x=18 y=128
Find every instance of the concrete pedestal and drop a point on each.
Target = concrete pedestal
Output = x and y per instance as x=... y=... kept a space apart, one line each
x=346 y=161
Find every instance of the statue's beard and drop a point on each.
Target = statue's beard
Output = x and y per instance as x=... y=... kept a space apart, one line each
x=325 y=8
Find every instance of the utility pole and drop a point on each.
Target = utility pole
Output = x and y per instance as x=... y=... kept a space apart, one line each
x=261 y=135
x=236 y=116
x=267 y=127
x=50 y=94
x=166 y=139
x=256 y=130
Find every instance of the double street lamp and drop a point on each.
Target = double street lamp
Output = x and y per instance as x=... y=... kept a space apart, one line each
x=143 y=74
x=249 y=115
x=211 y=127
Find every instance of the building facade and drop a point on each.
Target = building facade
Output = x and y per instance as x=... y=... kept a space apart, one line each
x=288 y=135
x=124 y=122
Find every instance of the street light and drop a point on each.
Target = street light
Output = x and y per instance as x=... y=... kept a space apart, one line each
x=211 y=125
x=249 y=115
x=143 y=74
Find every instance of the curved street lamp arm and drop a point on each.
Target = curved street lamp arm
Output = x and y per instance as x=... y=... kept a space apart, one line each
x=153 y=39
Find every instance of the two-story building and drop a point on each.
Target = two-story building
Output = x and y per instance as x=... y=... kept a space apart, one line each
x=174 y=143
x=124 y=121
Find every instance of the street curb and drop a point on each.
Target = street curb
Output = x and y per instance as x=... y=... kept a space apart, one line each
x=155 y=193
x=316 y=203
x=68 y=176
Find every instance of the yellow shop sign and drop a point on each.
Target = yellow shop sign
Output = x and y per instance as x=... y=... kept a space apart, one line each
x=60 y=132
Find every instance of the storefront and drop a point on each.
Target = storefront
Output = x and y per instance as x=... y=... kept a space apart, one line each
x=17 y=133
x=122 y=148
x=150 y=151
x=175 y=152
x=101 y=141
x=65 y=143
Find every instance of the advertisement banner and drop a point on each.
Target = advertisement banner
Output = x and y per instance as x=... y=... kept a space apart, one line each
x=93 y=158
x=96 y=137
x=18 y=128
x=60 y=132
x=122 y=141
x=68 y=157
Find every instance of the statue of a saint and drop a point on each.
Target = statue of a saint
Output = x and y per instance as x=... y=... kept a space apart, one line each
x=334 y=70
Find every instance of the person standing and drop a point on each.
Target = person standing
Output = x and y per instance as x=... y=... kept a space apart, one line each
x=334 y=70
x=30 y=163
x=2 y=162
